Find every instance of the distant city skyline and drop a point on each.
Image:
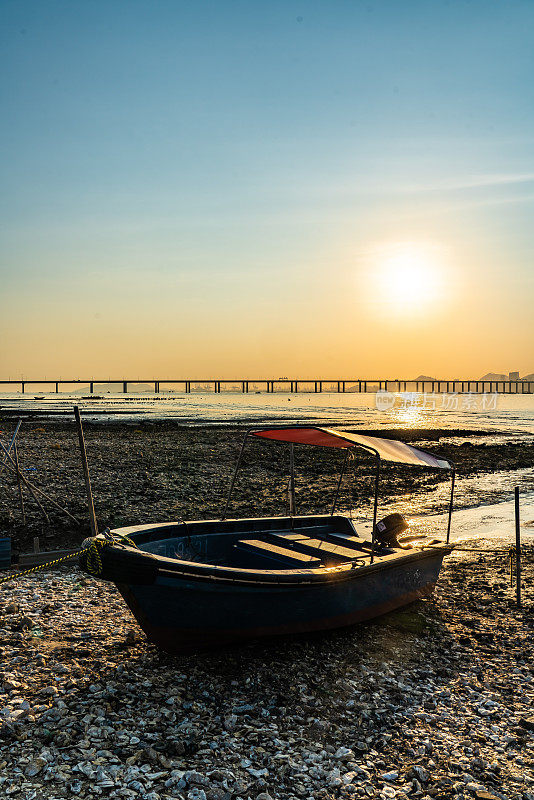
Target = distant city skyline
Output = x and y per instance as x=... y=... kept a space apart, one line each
x=266 y=189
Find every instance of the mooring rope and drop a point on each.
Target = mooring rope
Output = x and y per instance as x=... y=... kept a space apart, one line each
x=93 y=560
x=92 y=549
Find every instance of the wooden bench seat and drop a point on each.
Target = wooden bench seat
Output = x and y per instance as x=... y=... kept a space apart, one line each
x=329 y=552
x=352 y=542
x=278 y=552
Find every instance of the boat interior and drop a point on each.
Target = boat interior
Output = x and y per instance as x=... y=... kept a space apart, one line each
x=269 y=543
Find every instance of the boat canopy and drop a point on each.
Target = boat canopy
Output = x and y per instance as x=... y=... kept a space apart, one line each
x=386 y=449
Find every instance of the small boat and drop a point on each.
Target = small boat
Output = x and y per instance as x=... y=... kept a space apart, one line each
x=201 y=584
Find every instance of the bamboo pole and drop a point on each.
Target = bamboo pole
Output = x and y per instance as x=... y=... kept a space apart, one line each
x=11 y=444
x=85 y=467
x=24 y=480
x=32 y=488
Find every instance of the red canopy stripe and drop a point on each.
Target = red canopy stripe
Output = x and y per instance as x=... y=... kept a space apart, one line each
x=386 y=449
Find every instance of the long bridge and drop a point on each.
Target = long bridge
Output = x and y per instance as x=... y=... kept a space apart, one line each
x=293 y=386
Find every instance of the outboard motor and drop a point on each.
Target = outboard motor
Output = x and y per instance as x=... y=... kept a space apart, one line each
x=388 y=529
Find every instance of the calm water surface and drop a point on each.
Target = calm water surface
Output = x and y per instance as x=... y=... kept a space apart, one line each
x=501 y=413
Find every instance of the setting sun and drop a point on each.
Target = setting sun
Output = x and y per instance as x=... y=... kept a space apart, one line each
x=408 y=275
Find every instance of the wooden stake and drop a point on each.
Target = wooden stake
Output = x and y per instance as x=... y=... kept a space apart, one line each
x=85 y=467
x=19 y=483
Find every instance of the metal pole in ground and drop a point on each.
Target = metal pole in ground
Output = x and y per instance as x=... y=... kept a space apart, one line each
x=517 y=550
x=85 y=467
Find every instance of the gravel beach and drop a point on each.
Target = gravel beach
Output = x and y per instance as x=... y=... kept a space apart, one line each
x=433 y=701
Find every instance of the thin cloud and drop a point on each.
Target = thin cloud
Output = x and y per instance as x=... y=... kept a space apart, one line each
x=472 y=182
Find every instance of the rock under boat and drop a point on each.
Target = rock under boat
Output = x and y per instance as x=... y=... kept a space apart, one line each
x=201 y=584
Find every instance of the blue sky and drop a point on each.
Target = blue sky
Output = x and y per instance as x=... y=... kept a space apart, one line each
x=197 y=185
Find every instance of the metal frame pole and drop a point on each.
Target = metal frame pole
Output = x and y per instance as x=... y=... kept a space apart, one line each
x=230 y=490
x=341 y=474
x=292 y=503
x=375 y=509
x=450 y=504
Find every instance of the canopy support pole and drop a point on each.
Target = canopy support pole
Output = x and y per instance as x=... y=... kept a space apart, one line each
x=230 y=490
x=341 y=474
x=375 y=509
x=292 y=503
x=450 y=505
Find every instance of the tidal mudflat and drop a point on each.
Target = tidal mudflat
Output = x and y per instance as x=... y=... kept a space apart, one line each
x=155 y=471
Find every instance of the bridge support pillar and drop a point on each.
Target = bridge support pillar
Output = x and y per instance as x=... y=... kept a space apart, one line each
x=124 y=387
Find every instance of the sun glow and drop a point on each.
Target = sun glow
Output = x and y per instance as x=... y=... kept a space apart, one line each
x=408 y=275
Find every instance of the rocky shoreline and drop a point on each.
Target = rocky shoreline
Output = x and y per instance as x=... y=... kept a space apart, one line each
x=433 y=701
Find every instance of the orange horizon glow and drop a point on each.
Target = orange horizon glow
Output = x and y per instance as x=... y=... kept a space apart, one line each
x=241 y=192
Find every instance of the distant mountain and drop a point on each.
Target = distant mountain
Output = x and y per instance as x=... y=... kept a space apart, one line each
x=425 y=378
x=499 y=376
x=494 y=376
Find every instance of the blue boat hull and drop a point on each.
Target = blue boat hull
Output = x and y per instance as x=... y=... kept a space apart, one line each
x=181 y=614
